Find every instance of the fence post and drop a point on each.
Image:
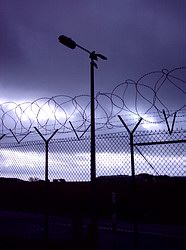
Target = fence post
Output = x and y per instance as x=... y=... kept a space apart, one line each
x=2 y=136
x=46 y=183
x=18 y=141
x=79 y=137
x=131 y=133
x=173 y=122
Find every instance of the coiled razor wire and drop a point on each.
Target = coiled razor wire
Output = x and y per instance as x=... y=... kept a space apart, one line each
x=150 y=97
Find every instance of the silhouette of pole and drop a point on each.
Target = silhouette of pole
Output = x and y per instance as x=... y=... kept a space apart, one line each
x=93 y=144
x=93 y=57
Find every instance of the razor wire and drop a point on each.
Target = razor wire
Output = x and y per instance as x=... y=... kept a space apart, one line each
x=148 y=98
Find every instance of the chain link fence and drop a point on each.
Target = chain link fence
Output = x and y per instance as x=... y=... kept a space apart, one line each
x=157 y=204
x=156 y=153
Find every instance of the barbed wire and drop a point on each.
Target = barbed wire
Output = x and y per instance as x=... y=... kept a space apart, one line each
x=150 y=97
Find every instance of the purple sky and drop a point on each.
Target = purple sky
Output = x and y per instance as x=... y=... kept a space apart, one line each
x=137 y=36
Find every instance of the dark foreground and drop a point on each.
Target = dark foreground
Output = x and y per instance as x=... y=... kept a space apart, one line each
x=150 y=243
x=20 y=230
x=150 y=216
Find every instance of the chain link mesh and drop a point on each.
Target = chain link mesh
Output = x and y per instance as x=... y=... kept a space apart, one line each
x=69 y=158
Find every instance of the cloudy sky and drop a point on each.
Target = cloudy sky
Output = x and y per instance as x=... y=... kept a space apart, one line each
x=137 y=36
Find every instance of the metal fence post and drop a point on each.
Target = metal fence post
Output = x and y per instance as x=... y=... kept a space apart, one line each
x=2 y=136
x=46 y=183
x=135 y=221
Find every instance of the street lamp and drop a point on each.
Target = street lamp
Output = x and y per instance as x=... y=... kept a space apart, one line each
x=93 y=57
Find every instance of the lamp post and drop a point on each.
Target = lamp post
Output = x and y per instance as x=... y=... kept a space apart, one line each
x=93 y=57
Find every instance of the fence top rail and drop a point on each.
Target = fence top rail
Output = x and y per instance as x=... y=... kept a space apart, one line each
x=159 y=142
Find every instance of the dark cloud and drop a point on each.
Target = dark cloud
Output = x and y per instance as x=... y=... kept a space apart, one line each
x=136 y=36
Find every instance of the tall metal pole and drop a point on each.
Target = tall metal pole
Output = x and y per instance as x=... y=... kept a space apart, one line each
x=92 y=110
x=94 y=57
x=93 y=225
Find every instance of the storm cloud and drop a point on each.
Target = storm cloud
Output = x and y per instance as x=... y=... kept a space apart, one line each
x=136 y=36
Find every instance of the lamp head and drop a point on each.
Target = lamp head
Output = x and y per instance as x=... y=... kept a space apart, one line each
x=67 y=41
